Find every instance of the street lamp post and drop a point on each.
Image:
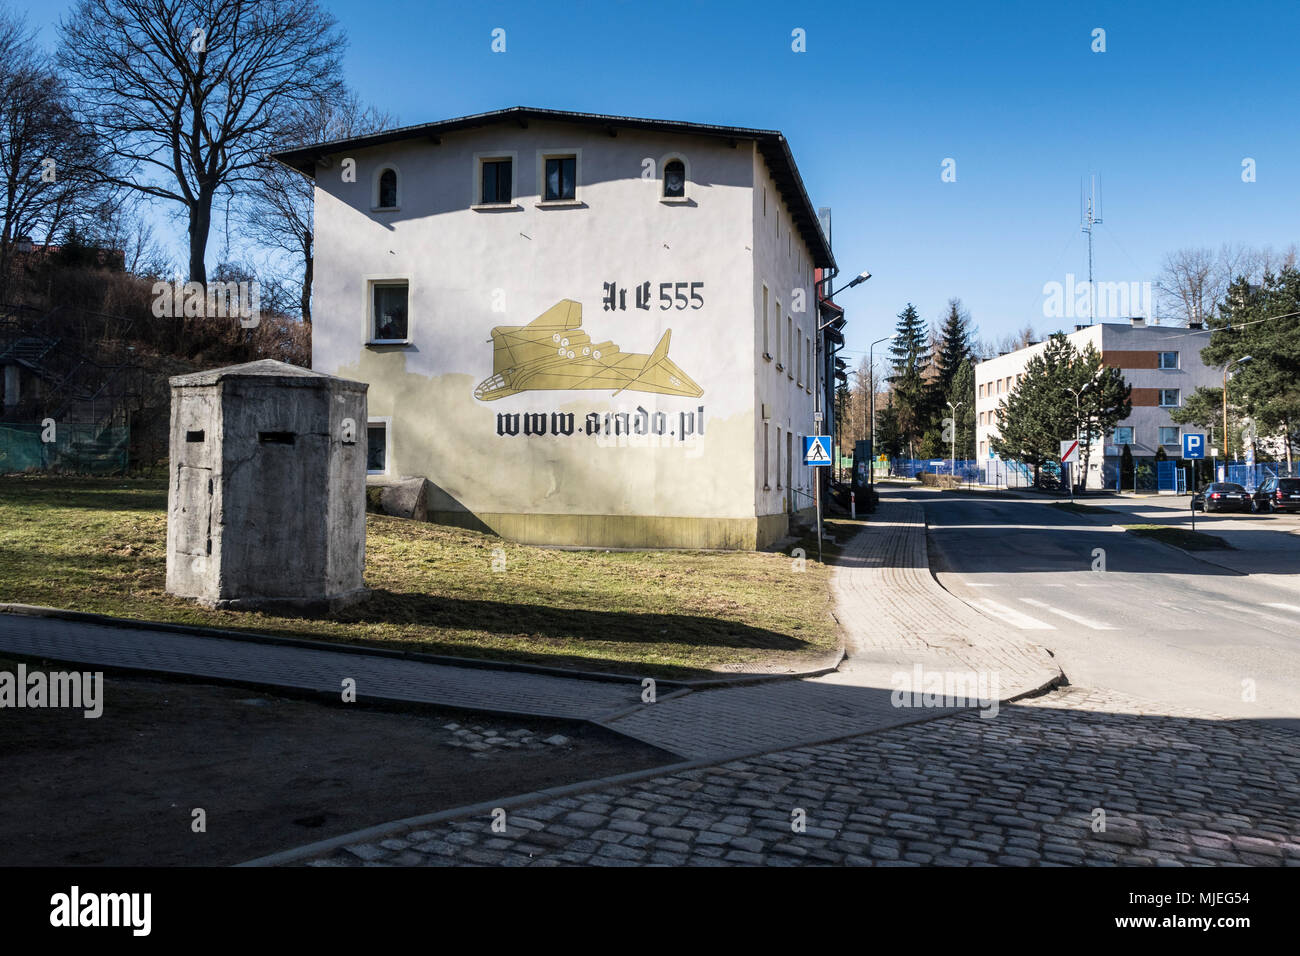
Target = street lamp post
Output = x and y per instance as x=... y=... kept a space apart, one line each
x=1076 y=392
x=953 y=408
x=1226 y=450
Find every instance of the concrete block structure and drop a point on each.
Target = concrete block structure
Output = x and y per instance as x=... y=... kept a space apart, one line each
x=581 y=329
x=266 y=498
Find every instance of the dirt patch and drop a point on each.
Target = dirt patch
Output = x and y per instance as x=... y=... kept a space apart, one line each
x=271 y=773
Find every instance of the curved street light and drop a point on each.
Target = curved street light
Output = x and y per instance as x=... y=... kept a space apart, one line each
x=1226 y=456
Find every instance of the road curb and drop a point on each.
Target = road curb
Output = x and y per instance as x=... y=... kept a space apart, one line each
x=368 y=834
x=828 y=663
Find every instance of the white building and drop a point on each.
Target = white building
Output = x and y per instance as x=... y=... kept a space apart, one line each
x=581 y=329
x=1162 y=364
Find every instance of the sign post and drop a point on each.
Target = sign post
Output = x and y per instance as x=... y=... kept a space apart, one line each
x=1070 y=455
x=816 y=452
x=1193 y=450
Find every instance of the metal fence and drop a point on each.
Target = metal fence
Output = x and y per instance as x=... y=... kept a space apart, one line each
x=81 y=449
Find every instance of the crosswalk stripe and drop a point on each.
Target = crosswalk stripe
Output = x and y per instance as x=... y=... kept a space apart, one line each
x=1076 y=618
x=1013 y=617
x=1240 y=608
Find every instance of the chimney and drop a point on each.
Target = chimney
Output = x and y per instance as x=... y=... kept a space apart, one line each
x=1195 y=324
x=1138 y=322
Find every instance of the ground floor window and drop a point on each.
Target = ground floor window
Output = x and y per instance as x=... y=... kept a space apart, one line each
x=377 y=446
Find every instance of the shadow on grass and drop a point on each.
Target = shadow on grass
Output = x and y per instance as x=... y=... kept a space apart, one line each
x=93 y=494
x=562 y=624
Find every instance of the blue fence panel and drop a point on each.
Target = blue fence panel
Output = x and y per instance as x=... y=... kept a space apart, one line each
x=1166 y=476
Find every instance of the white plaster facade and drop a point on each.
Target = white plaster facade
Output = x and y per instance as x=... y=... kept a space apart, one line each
x=1134 y=347
x=469 y=268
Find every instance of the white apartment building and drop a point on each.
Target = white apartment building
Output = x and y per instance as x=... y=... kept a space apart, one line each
x=1161 y=363
x=580 y=329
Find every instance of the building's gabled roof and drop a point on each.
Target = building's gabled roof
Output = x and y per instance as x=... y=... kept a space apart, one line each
x=771 y=144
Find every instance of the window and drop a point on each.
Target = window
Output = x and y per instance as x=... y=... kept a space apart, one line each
x=387 y=198
x=767 y=350
x=674 y=179
x=388 y=317
x=1167 y=360
x=776 y=330
x=377 y=446
x=1168 y=435
x=766 y=463
x=810 y=374
x=791 y=354
x=981 y=389
x=496 y=184
x=778 y=457
x=1168 y=398
x=1123 y=435
x=561 y=179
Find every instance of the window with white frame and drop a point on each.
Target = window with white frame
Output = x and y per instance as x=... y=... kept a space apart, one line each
x=1168 y=398
x=389 y=320
x=1168 y=435
x=377 y=443
x=1168 y=360
x=1122 y=435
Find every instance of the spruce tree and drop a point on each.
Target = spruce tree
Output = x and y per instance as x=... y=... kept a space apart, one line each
x=910 y=357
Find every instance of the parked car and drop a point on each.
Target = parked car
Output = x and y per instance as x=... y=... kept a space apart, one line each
x=1222 y=496
x=1277 y=494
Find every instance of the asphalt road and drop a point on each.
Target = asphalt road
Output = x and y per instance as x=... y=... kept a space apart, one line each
x=1156 y=623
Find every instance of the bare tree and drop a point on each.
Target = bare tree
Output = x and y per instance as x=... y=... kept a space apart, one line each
x=50 y=162
x=191 y=93
x=280 y=205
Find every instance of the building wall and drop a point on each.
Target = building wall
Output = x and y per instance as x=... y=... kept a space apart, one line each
x=784 y=386
x=472 y=270
x=1133 y=349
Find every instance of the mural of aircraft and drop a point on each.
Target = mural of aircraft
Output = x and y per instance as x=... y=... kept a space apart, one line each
x=552 y=352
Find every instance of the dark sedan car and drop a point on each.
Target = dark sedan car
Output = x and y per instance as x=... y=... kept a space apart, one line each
x=1222 y=496
x=1278 y=494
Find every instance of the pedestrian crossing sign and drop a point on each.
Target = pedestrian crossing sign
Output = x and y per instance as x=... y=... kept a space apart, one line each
x=816 y=450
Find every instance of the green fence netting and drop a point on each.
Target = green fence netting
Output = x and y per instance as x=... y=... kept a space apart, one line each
x=83 y=449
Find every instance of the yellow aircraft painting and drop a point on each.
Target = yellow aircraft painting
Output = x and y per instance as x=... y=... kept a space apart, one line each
x=552 y=352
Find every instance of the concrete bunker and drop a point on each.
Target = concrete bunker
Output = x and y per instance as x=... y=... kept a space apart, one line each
x=266 y=502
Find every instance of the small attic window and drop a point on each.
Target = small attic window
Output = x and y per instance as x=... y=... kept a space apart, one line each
x=386 y=189
x=675 y=180
x=194 y=437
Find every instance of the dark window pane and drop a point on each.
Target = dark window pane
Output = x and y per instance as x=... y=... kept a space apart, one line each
x=496 y=181
x=561 y=177
x=390 y=312
x=376 y=447
x=388 y=188
x=674 y=179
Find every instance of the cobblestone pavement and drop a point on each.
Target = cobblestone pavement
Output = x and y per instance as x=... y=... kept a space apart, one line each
x=1022 y=788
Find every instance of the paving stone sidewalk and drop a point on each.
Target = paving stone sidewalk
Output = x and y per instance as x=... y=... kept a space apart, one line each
x=1023 y=788
x=894 y=614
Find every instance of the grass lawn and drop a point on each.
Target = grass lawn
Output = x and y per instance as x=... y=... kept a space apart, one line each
x=100 y=545
x=1179 y=537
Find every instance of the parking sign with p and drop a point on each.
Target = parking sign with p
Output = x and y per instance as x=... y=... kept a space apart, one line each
x=1193 y=446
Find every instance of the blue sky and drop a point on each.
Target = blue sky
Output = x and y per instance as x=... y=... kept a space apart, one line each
x=885 y=92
